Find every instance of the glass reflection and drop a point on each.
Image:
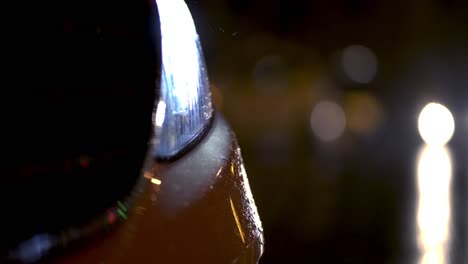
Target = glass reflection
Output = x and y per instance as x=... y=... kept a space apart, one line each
x=434 y=176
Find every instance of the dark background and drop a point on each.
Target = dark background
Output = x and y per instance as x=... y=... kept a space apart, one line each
x=352 y=199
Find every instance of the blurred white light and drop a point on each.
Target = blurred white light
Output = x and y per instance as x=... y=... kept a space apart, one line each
x=359 y=64
x=328 y=121
x=436 y=124
x=434 y=174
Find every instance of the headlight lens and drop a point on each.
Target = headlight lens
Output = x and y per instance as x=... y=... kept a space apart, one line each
x=185 y=109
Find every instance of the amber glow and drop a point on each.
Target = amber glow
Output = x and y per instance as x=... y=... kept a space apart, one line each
x=148 y=175
x=364 y=112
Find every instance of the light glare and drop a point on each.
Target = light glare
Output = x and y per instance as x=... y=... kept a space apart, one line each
x=436 y=124
x=433 y=216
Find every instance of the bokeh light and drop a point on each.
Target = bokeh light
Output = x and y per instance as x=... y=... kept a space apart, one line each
x=436 y=124
x=364 y=112
x=327 y=121
x=359 y=64
x=270 y=74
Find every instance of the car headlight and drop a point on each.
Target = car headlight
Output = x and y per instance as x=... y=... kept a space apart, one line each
x=128 y=206
x=184 y=110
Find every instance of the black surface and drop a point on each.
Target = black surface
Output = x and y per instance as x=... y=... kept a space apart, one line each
x=78 y=89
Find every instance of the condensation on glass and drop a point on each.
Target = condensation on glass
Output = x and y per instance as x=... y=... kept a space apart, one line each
x=185 y=105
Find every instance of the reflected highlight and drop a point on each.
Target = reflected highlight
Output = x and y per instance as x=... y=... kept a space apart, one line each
x=156 y=181
x=434 y=176
x=238 y=223
x=160 y=114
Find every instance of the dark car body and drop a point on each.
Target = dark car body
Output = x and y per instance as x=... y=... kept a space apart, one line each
x=80 y=181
